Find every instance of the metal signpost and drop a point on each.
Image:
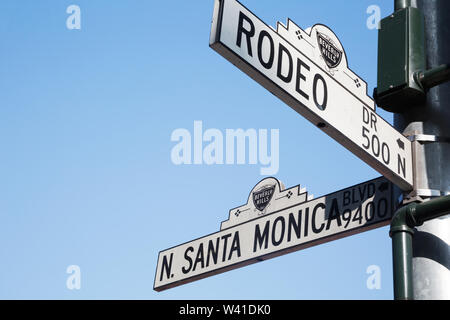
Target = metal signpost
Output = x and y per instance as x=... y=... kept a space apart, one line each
x=273 y=222
x=308 y=70
x=413 y=75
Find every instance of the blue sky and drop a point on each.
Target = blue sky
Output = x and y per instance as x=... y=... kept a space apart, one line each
x=86 y=118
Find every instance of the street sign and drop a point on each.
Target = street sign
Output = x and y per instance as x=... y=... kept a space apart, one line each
x=273 y=222
x=308 y=70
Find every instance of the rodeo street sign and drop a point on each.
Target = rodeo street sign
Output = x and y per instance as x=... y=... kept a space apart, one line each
x=276 y=221
x=308 y=70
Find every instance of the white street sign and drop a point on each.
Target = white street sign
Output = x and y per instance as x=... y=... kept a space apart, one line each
x=273 y=222
x=308 y=70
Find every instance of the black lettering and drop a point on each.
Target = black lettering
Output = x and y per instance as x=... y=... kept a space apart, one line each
x=269 y=63
x=274 y=229
x=366 y=118
x=200 y=257
x=362 y=194
x=225 y=242
x=346 y=198
x=358 y=215
x=313 y=224
x=334 y=214
x=321 y=106
x=375 y=146
x=212 y=251
x=248 y=33
x=354 y=200
x=188 y=259
x=235 y=246
x=373 y=121
x=385 y=153
x=260 y=238
x=306 y=221
x=282 y=49
x=295 y=225
x=365 y=131
x=301 y=76
x=166 y=266
x=366 y=210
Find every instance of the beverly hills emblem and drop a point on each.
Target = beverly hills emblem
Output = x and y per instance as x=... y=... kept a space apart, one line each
x=268 y=196
x=329 y=50
x=262 y=197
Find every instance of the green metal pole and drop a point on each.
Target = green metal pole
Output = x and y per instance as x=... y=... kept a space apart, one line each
x=431 y=257
x=402 y=264
x=423 y=114
x=401 y=233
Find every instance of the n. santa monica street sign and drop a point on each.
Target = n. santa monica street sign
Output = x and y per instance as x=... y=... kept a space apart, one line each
x=276 y=221
x=308 y=70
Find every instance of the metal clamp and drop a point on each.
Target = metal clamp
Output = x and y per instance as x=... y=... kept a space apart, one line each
x=422 y=195
x=428 y=138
